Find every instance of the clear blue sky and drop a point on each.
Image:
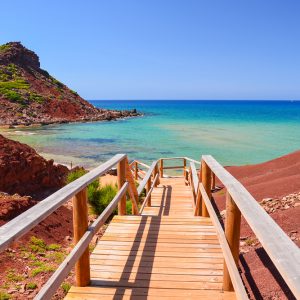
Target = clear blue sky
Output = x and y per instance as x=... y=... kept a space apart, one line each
x=163 y=49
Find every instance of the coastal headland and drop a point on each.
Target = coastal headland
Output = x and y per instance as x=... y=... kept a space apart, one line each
x=29 y=95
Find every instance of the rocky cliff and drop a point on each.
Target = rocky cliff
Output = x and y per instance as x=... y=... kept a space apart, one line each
x=30 y=95
x=25 y=172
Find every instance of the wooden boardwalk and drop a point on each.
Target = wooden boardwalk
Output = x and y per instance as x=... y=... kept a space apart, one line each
x=164 y=253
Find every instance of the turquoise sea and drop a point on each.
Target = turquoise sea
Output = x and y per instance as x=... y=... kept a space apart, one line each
x=234 y=132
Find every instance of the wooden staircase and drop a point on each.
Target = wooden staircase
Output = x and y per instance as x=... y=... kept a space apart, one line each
x=164 y=253
x=171 y=246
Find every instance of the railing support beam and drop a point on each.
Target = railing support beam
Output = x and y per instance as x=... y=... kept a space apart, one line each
x=206 y=181
x=121 y=180
x=80 y=226
x=148 y=187
x=161 y=168
x=136 y=170
x=232 y=233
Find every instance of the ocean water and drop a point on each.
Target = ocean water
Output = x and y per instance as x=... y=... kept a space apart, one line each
x=234 y=132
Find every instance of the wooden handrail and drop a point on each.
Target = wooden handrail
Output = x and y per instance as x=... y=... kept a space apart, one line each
x=146 y=178
x=195 y=179
x=281 y=249
x=229 y=259
x=149 y=193
x=49 y=289
x=20 y=225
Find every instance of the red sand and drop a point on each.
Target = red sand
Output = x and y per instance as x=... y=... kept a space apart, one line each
x=272 y=179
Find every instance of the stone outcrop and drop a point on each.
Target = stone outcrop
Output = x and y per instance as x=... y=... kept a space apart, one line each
x=25 y=172
x=30 y=95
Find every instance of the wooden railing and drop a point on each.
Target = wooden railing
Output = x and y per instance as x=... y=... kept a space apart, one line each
x=282 y=251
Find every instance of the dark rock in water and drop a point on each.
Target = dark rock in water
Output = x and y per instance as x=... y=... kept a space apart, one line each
x=30 y=95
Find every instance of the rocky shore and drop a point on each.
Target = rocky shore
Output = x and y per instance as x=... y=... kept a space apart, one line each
x=30 y=95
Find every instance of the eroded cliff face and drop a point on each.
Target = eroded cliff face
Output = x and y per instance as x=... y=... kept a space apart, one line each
x=25 y=172
x=30 y=95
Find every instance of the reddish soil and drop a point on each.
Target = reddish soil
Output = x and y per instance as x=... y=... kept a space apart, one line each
x=273 y=179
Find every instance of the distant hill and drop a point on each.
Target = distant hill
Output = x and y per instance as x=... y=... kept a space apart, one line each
x=29 y=94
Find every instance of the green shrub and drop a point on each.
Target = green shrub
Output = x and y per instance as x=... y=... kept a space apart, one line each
x=98 y=197
x=37 y=245
x=4 y=296
x=31 y=285
x=65 y=286
x=53 y=247
x=75 y=175
x=36 y=98
x=102 y=197
x=12 y=276
x=42 y=268
x=4 y=47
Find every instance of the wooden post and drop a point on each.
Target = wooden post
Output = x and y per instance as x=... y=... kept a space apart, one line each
x=206 y=181
x=161 y=168
x=213 y=181
x=148 y=187
x=121 y=181
x=156 y=172
x=80 y=226
x=232 y=233
x=136 y=170
x=184 y=169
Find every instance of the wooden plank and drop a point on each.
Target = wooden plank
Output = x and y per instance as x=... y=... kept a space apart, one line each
x=133 y=276
x=203 y=252
x=283 y=252
x=209 y=259
x=92 y=293
x=157 y=270
x=20 y=225
x=159 y=284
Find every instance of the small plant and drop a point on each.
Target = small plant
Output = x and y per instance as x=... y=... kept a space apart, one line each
x=53 y=247
x=31 y=285
x=37 y=245
x=250 y=241
x=43 y=268
x=12 y=276
x=57 y=256
x=4 y=296
x=65 y=286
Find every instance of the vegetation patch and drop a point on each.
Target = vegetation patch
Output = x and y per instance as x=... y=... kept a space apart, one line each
x=31 y=286
x=42 y=268
x=4 y=48
x=65 y=286
x=36 y=98
x=11 y=275
x=4 y=296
